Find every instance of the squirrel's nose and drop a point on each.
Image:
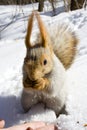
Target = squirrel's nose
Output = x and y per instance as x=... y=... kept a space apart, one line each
x=32 y=78
x=35 y=76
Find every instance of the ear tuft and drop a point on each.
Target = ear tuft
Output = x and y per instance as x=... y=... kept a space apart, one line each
x=29 y=31
x=43 y=31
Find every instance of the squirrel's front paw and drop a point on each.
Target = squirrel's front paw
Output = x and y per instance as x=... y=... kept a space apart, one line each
x=41 y=84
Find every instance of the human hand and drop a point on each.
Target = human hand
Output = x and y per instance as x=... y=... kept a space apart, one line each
x=32 y=126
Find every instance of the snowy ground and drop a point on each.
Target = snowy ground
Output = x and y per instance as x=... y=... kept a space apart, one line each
x=12 y=52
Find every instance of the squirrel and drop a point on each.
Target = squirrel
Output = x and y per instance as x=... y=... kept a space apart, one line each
x=45 y=65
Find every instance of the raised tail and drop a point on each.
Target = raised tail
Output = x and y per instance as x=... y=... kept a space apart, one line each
x=65 y=44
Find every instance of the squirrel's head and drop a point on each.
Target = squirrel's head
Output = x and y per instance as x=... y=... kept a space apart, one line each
x=39 y=58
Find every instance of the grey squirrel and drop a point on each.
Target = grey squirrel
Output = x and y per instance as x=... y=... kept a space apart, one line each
x=45 y=64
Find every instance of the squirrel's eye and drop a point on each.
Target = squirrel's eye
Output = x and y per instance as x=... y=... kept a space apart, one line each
x=45 y=62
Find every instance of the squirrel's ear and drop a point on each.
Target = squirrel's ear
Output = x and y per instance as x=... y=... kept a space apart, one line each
x=44 y=34
x=29 y=31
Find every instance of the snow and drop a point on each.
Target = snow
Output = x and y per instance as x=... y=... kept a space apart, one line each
x=12 y=52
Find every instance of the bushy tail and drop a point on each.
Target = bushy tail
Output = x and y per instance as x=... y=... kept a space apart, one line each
x=65 y=44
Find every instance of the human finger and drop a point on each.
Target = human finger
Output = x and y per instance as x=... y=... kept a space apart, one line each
x=2 y=124
x=48 y=127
